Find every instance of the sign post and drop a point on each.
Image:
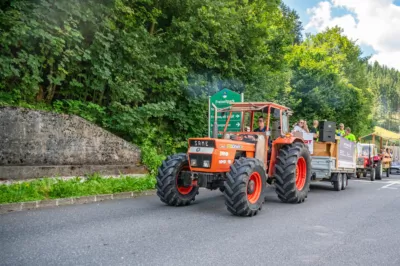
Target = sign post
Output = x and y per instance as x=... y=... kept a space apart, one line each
x=222 y=99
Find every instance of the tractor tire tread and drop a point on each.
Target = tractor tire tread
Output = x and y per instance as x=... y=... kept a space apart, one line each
x=166 y=182
x=235 y=192
x=285 y=170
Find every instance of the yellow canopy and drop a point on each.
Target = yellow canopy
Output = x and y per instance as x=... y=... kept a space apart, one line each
x=386 y=134
x=383 y=134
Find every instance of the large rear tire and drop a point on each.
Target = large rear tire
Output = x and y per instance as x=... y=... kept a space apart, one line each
x=372 y=174
x=379 y=171
x=245 y=187
x=293 y=173
x=168 y=189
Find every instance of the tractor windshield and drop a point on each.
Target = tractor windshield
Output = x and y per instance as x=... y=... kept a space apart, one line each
x=366 y=150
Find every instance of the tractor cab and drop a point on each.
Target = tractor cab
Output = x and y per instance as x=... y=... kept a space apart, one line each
x=274 y=117
x=266 y=122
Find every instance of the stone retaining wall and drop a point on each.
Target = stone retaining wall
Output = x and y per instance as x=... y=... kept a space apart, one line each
x=38 y=143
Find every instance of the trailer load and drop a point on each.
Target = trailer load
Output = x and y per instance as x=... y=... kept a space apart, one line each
x=333 y=159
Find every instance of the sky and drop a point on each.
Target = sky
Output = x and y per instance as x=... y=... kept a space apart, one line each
x=375 y=24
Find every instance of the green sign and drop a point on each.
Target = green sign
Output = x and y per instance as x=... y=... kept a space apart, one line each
x=222 y=99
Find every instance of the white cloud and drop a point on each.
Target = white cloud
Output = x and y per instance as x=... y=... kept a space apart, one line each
x=375 y=23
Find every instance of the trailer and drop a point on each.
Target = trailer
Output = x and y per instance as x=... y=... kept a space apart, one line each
x=333 y=162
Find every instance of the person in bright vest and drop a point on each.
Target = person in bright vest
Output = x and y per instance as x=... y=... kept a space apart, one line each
x=341 y=132
x=349 y=136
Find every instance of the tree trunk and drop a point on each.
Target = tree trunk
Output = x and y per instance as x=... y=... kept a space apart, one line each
x=40 y=94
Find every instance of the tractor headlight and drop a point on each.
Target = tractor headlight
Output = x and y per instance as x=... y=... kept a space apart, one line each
x=193 y=162
x=206 y=163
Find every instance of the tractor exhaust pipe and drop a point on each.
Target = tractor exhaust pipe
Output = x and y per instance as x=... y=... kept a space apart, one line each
x=215 y=127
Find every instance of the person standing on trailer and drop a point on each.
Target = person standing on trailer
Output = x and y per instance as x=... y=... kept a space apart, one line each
x=349 y=136
x=341 y=132
x=301 y=126
x=314 y=130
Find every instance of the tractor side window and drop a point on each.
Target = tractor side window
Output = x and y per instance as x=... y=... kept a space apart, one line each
x=285 y=123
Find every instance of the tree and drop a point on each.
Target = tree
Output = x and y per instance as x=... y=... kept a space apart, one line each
x=329 y=80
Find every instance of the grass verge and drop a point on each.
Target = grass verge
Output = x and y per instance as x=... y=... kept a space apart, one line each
x=53 y=188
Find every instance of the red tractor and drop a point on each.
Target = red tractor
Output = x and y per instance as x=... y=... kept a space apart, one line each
x=369 y=160
x=241 y=163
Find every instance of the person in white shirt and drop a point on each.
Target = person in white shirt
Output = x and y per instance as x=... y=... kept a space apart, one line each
x=301 y=126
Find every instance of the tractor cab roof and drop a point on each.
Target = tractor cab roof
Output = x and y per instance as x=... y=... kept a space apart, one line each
x=253 y=107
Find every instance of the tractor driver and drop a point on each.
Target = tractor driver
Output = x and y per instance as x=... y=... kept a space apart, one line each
x=263 y=128
x=261 y=125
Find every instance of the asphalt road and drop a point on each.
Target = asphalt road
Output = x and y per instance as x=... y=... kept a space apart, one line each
x=358 y=226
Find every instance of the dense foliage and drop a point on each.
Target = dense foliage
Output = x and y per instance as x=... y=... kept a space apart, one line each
x=143 y=68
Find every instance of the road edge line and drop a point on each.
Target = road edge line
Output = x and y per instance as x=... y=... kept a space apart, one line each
x=41 y=204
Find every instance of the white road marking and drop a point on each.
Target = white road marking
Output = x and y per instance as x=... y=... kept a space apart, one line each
x=370 y=182
x=389 y=185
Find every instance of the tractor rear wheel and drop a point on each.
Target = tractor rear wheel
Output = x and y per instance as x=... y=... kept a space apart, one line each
x=245 y=187
x=293 y=173
x=372 y=174
x=168 y=185
x=379 y=171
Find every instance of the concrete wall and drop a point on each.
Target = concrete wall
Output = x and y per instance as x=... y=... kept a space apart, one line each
x=38 y=143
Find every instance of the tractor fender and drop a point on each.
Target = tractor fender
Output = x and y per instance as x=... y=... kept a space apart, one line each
x=288 y=140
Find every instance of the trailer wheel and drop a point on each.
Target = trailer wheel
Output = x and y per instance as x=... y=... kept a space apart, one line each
x=168 y=189
x=345 y=181
x=358 y=174
x=379 y=171
x=293 y=173
x=337 y=185
x=245 y=187
x=372 y=174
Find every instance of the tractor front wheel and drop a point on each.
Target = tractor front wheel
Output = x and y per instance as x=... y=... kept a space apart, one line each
x=365 y=173
x=245 y=187
x=169 y=182
x=293 y=173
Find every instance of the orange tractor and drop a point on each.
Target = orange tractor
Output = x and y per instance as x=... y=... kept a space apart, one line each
x=241 y=164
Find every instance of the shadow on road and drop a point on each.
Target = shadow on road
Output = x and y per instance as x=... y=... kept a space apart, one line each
x=321 y=186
